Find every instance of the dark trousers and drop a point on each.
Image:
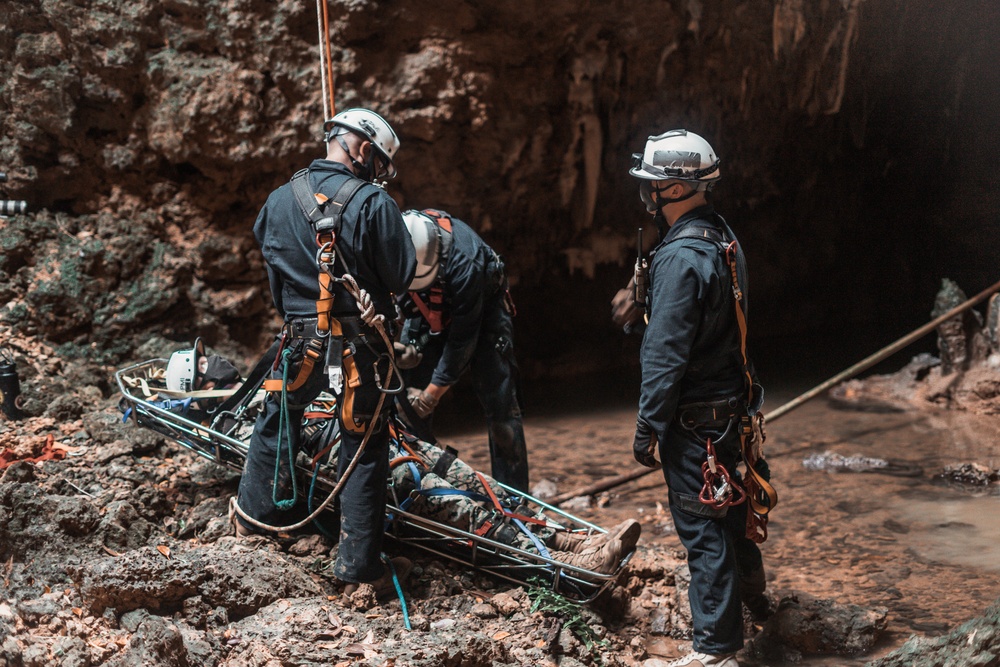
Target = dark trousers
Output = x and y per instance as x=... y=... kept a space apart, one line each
x=361 y=501
x=721 y=559
x=495 y=379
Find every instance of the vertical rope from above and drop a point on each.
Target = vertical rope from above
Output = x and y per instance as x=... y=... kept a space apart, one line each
x=325 y=58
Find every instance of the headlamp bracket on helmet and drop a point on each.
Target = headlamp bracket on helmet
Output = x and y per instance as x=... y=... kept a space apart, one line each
x=674 y=173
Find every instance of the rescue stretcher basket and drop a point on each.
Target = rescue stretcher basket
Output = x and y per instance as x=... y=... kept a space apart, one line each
x=228 y=446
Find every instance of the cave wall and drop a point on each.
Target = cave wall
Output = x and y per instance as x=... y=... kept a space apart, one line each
x=857 y=139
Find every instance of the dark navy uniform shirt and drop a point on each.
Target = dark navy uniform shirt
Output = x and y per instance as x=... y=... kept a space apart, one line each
x=373 y=246
x=691 y=347
x=468 y=279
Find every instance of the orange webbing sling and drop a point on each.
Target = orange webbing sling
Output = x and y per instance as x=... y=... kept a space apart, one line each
x=433 y=309
x=763 y=497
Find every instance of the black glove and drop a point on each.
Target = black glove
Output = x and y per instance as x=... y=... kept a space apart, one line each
x=644 y=444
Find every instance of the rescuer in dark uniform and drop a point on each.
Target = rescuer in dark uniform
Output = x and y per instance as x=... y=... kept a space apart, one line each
x=325 y=342
x=459 y=314
x=695 y=389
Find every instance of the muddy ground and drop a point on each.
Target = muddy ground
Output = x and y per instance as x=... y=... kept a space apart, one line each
x=117 y=550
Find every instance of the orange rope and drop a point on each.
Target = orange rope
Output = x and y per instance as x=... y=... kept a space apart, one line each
x=329 y=61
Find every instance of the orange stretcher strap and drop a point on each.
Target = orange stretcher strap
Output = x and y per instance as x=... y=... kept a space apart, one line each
x=500 y=508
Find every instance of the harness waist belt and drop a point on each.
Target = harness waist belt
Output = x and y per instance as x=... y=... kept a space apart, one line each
x=690 y=415
x=303 y=327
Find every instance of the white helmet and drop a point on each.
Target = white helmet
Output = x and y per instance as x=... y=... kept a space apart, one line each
x=677 y=155
x=428 y=241
x=370 y=126
x=182 y=369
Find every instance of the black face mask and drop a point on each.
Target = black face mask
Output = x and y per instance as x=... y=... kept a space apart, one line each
x=650 y=196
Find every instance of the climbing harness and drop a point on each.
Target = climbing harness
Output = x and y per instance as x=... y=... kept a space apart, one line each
x=432 y=309
x=719 y=488
x=324 y=214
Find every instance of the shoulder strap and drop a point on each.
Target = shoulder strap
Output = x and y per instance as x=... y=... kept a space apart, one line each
x=322 y=212
x=694 y=231
x=443 y=221
x=314 y=206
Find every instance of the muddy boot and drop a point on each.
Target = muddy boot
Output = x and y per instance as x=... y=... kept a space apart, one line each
x=627 y=531
x=603 y=559
x=752 y=587
x=238 y=527
x=384 y=586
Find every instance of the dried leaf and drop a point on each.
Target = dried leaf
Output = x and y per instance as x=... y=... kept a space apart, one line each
x=355 y=649
x=350 y=630
x=503 y=634
x=369 y=616
x=110 y=552
x=78 y=611
x=369 y=638
x=163 y=549
x=46 y=589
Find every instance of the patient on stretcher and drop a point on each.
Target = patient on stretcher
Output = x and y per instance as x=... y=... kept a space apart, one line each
x=434 y=483
x=425 y=479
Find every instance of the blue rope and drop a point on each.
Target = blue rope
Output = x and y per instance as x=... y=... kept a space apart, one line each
x=399 y=592
x=284 y=428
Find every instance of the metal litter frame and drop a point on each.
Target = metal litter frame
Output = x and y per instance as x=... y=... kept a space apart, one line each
x=461 y=546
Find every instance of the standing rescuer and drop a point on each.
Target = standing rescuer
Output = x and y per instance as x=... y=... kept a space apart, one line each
x=459 y=314
x=336 y=251
x=696 y=389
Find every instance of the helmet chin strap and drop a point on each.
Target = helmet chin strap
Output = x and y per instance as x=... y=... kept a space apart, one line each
x=364 y=171
x=661 y=223
x=663 y=201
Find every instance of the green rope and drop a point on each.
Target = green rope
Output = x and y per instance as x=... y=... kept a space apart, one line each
x=284 y=428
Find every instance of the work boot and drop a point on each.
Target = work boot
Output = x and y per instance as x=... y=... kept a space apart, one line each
x=697 y=659
x=383 y=585
x=604 y=558
x=238 y=527
x=759 y=607
x=627 y=531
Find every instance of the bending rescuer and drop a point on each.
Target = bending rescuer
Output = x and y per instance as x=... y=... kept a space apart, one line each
x=458 y=315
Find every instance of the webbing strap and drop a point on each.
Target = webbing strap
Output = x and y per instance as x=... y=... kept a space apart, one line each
x=444 y=461
x=324 y=214
x=746 y=432
x=730 y=253
x=312 y=353
x=503 y=510
x=433 y=309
